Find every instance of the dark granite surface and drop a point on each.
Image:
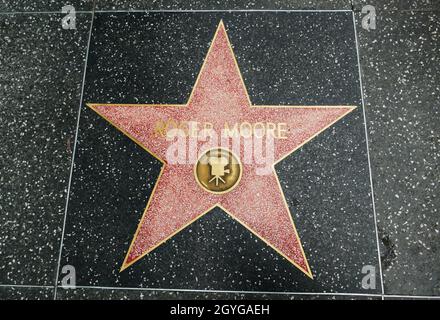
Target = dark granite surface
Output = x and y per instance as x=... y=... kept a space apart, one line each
x=326 y=182
x=121 y=294
x=401 y=73
x=43 y=5
x=40 y=82
x=222 y=5
x=26 y=293
x=41 y=67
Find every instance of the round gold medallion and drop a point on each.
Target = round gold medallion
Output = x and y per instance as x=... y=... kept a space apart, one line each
x=218 y=171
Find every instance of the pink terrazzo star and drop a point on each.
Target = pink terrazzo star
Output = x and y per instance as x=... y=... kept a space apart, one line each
x=257 y=202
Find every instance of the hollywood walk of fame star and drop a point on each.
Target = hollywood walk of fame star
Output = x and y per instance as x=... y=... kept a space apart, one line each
x=256 y=201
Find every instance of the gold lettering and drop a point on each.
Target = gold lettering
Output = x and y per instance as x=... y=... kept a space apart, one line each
x=194 y=129
x=259 y=132
x=271 y=127
x=282 y=130
x=231 y=133
x=246 y=132
x=159 y=128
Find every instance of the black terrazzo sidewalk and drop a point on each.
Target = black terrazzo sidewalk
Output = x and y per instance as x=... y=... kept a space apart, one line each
x=41 y=81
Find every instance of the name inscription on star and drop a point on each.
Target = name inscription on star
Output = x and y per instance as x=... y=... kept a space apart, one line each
x=193 y=129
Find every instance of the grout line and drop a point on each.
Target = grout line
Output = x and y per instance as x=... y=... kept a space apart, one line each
x=368 y=155
x=359 y=10
x=416 y=297
x=222 y=10
x=73 y=156
x=227 y=291
x=353 y=9
x=24 y=286
x=258 y=292
x=40 y=12
x=177 y=11
x=231 y=291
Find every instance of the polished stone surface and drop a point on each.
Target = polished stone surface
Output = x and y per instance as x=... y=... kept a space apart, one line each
x=397 y=5
x=221 y=5
x=41 y=69
x=40 y=81
x=121 y=294
x=43 y=5
x=401 y=73
x=26 y=293
x=326 y=182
